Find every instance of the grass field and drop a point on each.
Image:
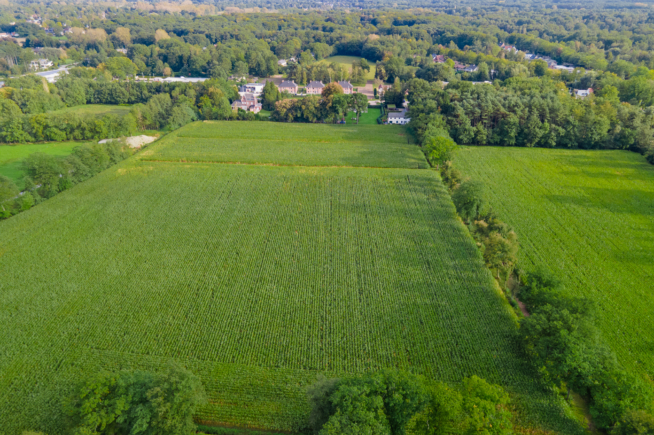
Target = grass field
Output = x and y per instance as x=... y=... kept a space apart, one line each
x=589 y=217
x=292 y=144
x=347 y=62
x=369 y=118
x=96 y=109
x=255 y=277
x=11 y=156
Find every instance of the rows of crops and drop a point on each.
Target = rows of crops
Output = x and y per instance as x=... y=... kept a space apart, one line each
x=589 y=217
x=256 y=277
x=308 y=133
x=288 y=153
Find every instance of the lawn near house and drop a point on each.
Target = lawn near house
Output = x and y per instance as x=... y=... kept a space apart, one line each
x=369 y=118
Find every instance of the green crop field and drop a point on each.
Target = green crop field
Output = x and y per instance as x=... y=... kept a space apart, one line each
x=12 y=156
x=257 y=278
x=96 y=109
x=292 y=144
x=589 y=217
x=347 y=62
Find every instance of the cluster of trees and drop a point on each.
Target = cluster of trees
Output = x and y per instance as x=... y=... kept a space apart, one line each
x=393 y=402
x=28 y=106
x=136 y=402
x=331 y=106
x=48 y=175
x=496 y=240
x=303 y=71
x=563 y=342
x=531 y=112
x=187 y=43
x=17 y=127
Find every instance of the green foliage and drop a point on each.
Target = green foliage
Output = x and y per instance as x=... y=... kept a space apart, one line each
x=634 y=423
x=498 y=244
x=470 y=199
x=439 y=149
x=485 y=408
x=270 y=96
x=376 y=403
x=8 y=189
x=137 y=403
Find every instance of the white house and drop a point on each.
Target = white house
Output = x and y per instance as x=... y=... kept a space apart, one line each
x=564 y=68
x=41 y=64
x=399 y=118
x=252 y=88
x=583 y=93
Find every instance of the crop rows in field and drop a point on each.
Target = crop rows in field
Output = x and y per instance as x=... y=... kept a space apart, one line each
x=589 y=217
x=274 y=273
x=292 y=132
x=285 y=144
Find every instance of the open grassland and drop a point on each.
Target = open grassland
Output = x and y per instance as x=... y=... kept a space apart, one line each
x=290 y=144
x=96 y=109
x=347 y=61
x=369 y=118
x=11 y=156
x=257 y=278
x=589 y=217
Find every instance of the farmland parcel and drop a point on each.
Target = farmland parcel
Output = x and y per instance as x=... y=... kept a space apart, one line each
x=587 y=216
x=255 y=277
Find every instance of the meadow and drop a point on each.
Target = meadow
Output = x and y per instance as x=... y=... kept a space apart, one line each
x=587 y=216
x=258 y=278
x=96 y=109
x=12 y=156
x=347 y=62
x=291 y=145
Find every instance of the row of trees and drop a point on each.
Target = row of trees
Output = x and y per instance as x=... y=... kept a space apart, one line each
x=559 y=335
x=48 y=175
x=565 y=345
x=331 y=106
x=392 y=402
x=531 y=112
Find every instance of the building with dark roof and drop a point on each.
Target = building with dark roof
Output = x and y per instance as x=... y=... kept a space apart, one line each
x=288 y=86
x=347 y=87
x=315 y=87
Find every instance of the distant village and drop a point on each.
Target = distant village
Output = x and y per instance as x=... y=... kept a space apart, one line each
x=251 y=92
